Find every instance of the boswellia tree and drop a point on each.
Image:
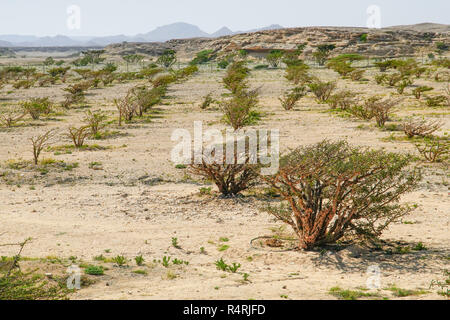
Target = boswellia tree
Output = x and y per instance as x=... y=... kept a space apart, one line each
x=332 y=190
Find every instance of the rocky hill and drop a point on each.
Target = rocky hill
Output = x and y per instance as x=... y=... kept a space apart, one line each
x=392 y=41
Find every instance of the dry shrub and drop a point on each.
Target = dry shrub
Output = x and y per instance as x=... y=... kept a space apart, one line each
x=78 y=135
x=420 y=128
x=291 y=97
x=35 y=107
x=298 y=74
x=322 y=90
x=146 y=98
x=126 y=107
x=342 y=100
x=207 y=100
x=436 y=101
x=230 y=178
x=238 y=110
x=10 y=117
x=356 y=75
x=333 y=190
x=25 y=84
x=417 y=92
x=40 y=142
x=434 y=150
x=375 y=107
x=75 y=93
x=163 y=81
x=389 y=79
x=95 y=120
x=235 y=78
x=381 y=109
x=403 y=84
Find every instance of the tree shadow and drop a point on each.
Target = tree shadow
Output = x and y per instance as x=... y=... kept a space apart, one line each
x=354 y=259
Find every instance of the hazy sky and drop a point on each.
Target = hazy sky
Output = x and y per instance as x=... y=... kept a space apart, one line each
x=112 y=17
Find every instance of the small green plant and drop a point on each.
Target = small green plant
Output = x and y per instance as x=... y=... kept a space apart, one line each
x=180 y=262
x=234 y=267
x=100 y=258
x=399 y=292
x=223 y=247
x=205 y=191
x=221 y=265
x=141 y=272
x=165 y=261
x=207 y=100
x=180 y=166
x=139 y=260
x=94 y=270
x=420 y=247
x=175 y=243
x=120 y=260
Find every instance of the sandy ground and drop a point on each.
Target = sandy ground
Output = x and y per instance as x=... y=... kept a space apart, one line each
x=139 y=201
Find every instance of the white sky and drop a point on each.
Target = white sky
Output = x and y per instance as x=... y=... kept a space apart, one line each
x=113 y=17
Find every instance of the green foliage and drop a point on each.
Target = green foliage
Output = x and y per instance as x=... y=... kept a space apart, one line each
x=96 y=120
x=222 y=265
x=165 y=261
x=298 y=74
x=167 y=59
x=207 y=100
x=399 y=292
x=239 y=111
x=323 y=52
x=274 y=58
x=133 y=58
x=94 y=270
x=235 y=78
x=28 y=286
x=139 y=260
x=203 y=57
x=417 y=92
x=120 y=260
x=350 y=294
x=436 y=101
x=291 y=97
x=35 y=107
x=49 y=61
x=175 y=243
x=434 y=149
x=322 y=90
x=363 y=37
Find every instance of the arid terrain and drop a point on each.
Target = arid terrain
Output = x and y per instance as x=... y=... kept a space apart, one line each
x=123 y=196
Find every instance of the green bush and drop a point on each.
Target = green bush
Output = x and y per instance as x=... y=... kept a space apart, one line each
x=35 y=107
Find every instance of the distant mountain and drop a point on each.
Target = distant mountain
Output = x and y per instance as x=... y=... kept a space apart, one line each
x=224 y=31
x=179 y=30
x=271 y=27
x=5 y=43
